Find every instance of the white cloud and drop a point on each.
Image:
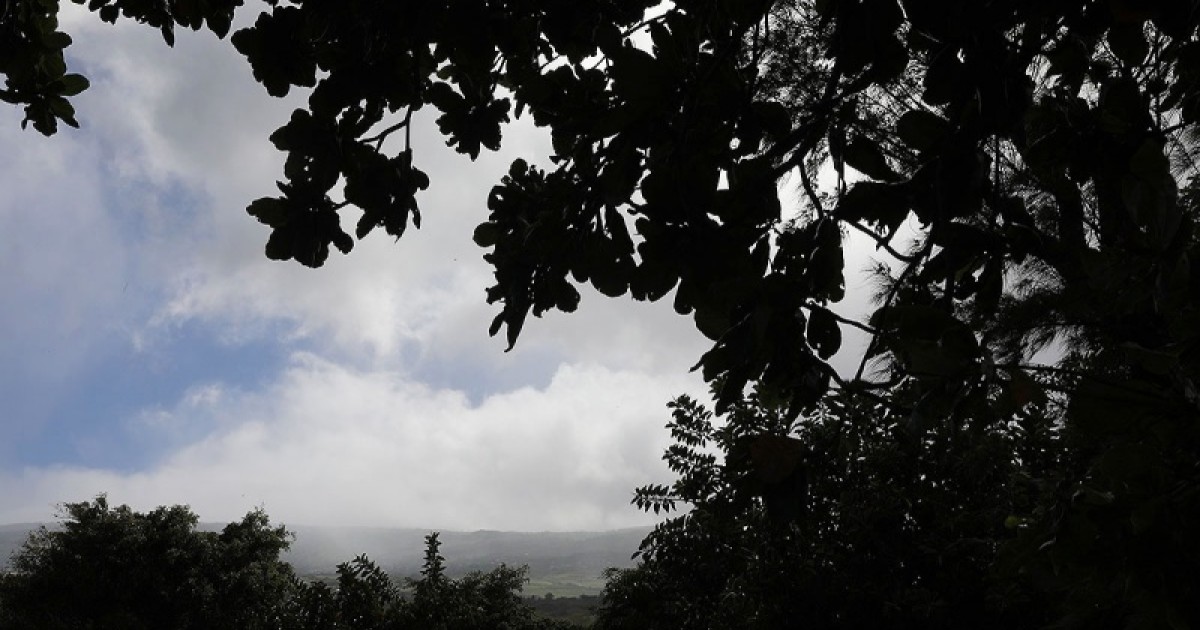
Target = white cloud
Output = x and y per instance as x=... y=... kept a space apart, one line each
x=412 y=416
x=194 y=116
x=330 y=445
x=192 y=125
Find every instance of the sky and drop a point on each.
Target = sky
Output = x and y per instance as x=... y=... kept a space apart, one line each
x=153 y=352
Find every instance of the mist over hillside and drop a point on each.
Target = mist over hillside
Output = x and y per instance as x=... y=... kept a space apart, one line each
x=11 y=537
x=318 y=550
x=399 y=551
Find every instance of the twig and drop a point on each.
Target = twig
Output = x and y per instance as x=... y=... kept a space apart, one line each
x=859 y=325
x=881 y=242
x=862 y=365
x=853 y=388
x=810 y=192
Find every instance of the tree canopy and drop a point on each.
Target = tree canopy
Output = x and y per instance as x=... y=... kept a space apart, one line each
x=879 y=531
x=112 y=567
x=1028 y=166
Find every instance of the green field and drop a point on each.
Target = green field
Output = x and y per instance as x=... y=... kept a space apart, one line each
x=564 y=585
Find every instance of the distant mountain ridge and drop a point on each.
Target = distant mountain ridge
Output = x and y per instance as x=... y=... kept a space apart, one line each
x=318 y=550
x=400 y=551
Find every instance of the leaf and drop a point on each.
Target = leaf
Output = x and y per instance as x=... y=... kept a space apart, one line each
x=933 y=407
x=876 y=203
x=891 y=58
x=342 y=241
x=63 y=109
x=1068 y=59
x=1159 y=361
x=928 y=342
x=56 y=40
x=922 y=130
x=609 y=280
x=1012 y=521
x=620 y=176
x=775 y=457
x=711 y=322
x=488 y=234
x=774 y=117
x=865 y=157
x=1019 y=391
x=279 y=53
x=617 y=230
x=220 y=23
x=279 y=245
x=826 y=272
x=944 y=79
x=515 y=322
x=73 y=84
x=824 y=332
x=637 y=77
x=566 y=298
x=269 y=211
x=1128 y=43
x=652 y=281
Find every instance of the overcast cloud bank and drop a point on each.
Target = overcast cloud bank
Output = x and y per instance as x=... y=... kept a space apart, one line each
x=127 y=254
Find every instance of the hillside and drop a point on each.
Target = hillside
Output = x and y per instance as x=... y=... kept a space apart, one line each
x=562 y=563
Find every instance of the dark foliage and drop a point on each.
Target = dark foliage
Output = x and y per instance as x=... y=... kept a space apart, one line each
x=838 y=520
x=113 y=568
x=117 y=569
x=365 y=598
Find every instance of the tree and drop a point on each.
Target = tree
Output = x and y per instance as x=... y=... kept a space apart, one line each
x=367 y=599
x=364 y=598
x=116 y=568
x=1043 y=152
x=475 y=601
x=879 y=530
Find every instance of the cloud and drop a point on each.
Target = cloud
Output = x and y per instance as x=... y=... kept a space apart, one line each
x=191 y=124
x=396 y=407
x=330 y=445
x=193 y=118
x=412 y=415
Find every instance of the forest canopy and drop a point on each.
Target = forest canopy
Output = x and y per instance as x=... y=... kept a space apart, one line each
x=1029 y=167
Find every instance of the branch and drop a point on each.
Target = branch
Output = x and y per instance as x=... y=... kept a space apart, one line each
x=382 y=135
x=850 y=322
x=856 y=387
x=801 y=136
x=1106 y=381
x=810 y=192
x=908 y=270
x=881 y=243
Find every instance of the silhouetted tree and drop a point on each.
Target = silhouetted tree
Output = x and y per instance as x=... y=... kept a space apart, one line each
x=366 y=599
x=114 y=568
x=838 y=519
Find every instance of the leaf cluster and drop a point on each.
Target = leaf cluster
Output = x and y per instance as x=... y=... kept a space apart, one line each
x=32 y=47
